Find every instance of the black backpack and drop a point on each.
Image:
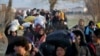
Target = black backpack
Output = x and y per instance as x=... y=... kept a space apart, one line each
x=53 y=40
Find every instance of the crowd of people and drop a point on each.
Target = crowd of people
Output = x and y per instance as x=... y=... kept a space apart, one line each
x=46 y=33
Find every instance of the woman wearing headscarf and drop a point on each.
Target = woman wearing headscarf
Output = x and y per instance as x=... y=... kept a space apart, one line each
x=79 y=45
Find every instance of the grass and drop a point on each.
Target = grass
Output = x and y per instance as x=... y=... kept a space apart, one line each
x=73 y=19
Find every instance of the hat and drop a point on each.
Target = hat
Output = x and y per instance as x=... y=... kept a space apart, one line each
x=13 y=28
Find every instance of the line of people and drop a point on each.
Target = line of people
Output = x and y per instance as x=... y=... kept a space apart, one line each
x=47 y=34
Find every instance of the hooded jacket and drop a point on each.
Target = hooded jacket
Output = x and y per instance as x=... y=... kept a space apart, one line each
x=80 y=49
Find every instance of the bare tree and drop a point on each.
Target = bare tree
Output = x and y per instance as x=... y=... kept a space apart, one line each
x=94 y=9
x=52 y=3
x=5 y=20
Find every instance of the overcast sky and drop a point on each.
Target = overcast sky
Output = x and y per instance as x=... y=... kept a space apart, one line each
x=44 y=4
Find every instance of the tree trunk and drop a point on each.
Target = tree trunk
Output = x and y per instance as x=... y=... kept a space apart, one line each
x=94 y=8
x=6 y=18
x=52 y=4
x=3 y=44
x=3 y=39
x=8 y=14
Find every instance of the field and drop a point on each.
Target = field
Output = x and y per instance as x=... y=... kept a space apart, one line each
x=73 y=19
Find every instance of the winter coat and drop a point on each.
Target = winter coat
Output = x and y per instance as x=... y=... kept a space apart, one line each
x=88 y=33
x=10 y=47
x=81 y=48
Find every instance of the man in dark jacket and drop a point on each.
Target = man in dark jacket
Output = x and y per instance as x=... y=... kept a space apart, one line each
x=80 y=25
x=89 y=31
